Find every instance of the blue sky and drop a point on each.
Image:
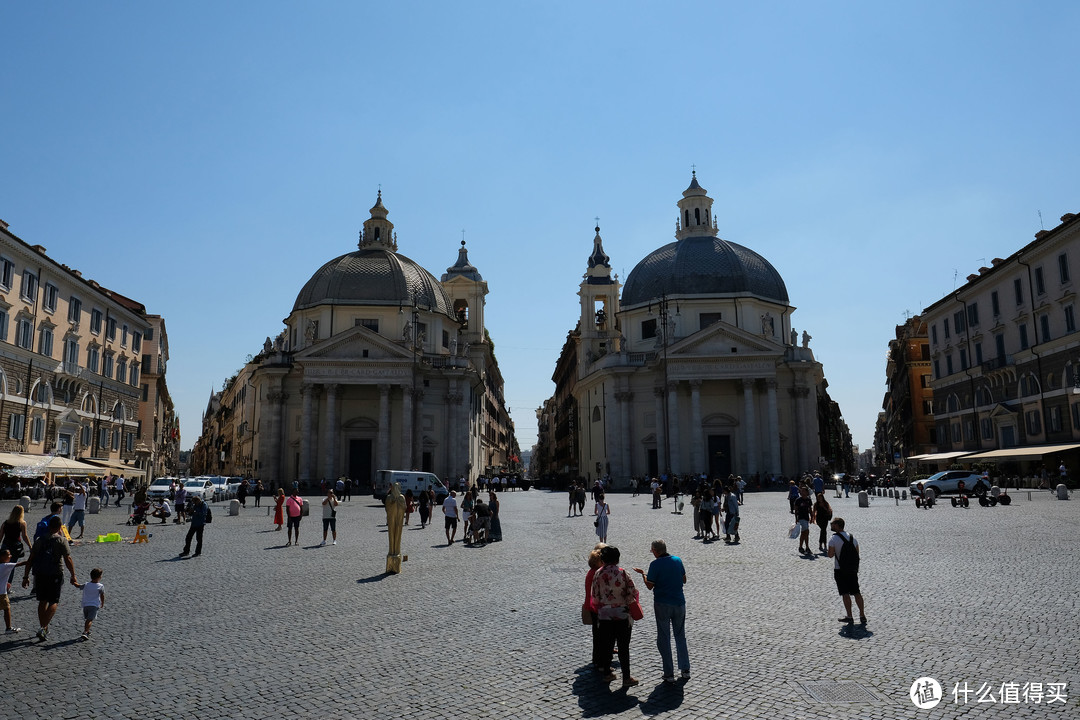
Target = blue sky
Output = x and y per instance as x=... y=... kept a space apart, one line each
x=206 y=158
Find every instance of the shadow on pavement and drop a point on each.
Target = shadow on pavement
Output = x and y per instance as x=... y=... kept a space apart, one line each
x=59 y=645
x=855 y=632
x=664 y=697
x=373 y=578
x=597 y=698
x=174 y=558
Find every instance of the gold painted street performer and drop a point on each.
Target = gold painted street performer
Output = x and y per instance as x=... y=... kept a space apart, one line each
x=395 y=519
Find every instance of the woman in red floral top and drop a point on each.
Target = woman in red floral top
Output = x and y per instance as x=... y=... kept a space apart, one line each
x=613 y=591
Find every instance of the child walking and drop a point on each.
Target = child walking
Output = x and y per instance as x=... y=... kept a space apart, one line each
x=6 y=569
x=93 y=599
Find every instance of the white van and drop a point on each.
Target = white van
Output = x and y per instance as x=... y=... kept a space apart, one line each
x=409 y=480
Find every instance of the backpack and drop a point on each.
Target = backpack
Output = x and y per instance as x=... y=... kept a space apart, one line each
x=209 y=515
x=42 y=529
x=46 y=560
x=849 y=555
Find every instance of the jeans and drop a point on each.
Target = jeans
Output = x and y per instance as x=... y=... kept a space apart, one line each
x=669 y=619
x=196 y=531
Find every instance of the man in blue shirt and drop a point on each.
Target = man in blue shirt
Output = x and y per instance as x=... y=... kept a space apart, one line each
x=666 y=578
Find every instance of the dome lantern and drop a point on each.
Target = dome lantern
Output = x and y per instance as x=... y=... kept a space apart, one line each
x=695 y=218
x=378 y=231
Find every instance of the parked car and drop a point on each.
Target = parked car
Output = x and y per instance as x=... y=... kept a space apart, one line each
x=948 y=480
x=160 y=488
x=201 y=486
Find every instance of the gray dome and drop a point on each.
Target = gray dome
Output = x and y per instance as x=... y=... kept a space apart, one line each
x=373 y=276
x=703 y=266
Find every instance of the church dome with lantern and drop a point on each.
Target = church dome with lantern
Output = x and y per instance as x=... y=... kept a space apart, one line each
x=700 y=263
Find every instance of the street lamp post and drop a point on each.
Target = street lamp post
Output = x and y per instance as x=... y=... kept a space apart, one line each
x=663 y=308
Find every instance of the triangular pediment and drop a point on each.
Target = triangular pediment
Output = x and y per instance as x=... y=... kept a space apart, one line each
x=1002 y=410
x=720 y=338
x=356 y=343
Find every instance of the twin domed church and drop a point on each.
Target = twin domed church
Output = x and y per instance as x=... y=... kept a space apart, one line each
x=691 y=366
x=380 y=367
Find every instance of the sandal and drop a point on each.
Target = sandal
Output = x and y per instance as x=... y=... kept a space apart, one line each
x=849 y=620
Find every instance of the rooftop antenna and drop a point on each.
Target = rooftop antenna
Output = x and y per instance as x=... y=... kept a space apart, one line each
x=955 y=274
x=1041 y=223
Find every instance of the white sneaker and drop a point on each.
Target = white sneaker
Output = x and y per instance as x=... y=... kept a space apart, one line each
x=322 y=543
x=13 y=630
x=334 y=543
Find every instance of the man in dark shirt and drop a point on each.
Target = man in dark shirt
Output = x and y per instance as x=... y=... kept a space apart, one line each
x=47 y=560
x=195 y=527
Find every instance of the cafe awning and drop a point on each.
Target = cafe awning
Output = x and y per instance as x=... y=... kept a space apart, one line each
x=28 y=465
x=1031 y=451
x=115 y=468
x=935 y=457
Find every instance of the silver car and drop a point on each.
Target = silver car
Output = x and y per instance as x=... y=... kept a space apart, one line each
x=949 y=480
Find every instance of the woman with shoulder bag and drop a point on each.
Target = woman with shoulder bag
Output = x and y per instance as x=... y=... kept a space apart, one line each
x=617 y=604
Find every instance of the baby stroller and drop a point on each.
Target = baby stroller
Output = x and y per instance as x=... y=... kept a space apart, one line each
x=138 y=513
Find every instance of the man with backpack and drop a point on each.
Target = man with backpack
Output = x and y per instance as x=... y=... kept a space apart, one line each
x=844 y=550
x=47 y=560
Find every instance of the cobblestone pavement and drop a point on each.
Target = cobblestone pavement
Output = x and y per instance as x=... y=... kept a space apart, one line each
x=253 y=629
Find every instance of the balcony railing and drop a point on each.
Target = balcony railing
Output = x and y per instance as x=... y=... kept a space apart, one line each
x=997 y=363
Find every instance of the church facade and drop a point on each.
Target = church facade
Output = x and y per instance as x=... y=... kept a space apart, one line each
x=692 y=365
x=380 y=366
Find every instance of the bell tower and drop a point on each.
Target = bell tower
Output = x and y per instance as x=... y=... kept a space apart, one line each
x=599 y=324
x=467 y=290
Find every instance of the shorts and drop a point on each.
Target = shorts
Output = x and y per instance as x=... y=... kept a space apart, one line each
x=77 y=516
x=89 y=612
x=294 y=522
x=49 y=588
x=5 y=602
x=846 y=583
x=451 y=522
x=804 y=525
x=329 y=524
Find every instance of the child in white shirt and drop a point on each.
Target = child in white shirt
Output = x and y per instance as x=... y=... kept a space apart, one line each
x=93 y=599
x=6 y=569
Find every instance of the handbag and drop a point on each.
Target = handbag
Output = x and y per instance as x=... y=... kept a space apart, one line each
x=586 y=615
x=793 y=531
x=635 y=610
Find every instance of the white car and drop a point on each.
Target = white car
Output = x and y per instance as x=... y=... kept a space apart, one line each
x=160 y=488
x=201 y=486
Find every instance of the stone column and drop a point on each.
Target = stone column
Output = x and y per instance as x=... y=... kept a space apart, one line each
x=673 y=427
x=406 y=427
x=454 y=466
x=774 y=429
x=798 y=397
x=418 y=416
x=330 y=433
x=307 y=391
x=661 y=455
x=276 y=445
x=382 y=443
x=750 y=431
x=624 y=399
x=697 y=452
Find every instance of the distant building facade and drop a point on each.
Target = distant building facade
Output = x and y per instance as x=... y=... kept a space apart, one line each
x=73 y=367
x=1003 y=349
x=909 y=398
